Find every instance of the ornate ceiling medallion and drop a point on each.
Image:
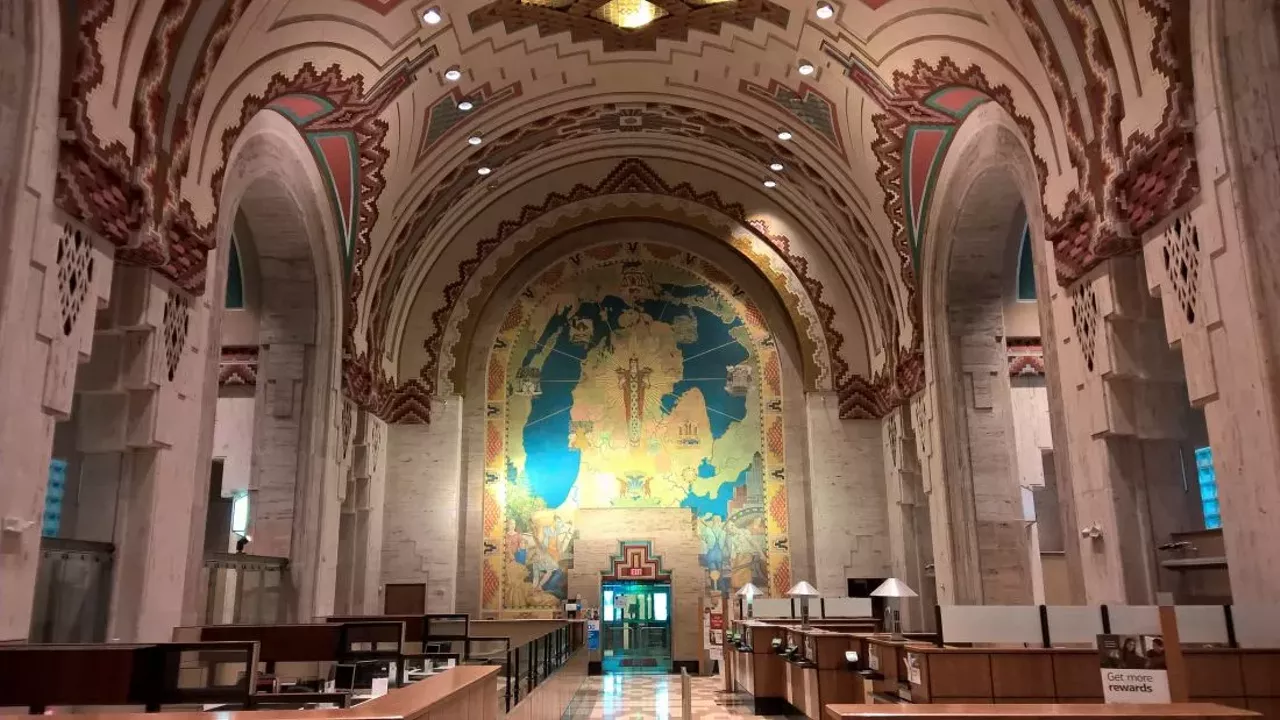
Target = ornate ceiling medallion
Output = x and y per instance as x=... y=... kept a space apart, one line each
x=626 y=24
x=629 y=14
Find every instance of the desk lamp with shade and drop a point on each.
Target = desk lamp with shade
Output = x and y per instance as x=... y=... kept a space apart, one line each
x=893 y=588
x=803 y=591
x=746 y=594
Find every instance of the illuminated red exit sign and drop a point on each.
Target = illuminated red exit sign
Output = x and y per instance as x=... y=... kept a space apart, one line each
x=635 y=572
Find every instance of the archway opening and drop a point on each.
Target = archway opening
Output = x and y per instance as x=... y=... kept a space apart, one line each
x=271 y=515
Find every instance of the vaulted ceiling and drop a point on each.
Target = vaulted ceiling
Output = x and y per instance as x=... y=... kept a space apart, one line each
x=444 y=130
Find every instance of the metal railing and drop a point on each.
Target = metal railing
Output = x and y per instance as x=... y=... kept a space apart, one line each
x=73 y=591
x=526 y=666
x=245 y=589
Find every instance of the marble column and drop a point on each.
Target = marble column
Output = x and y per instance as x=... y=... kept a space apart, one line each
x=426 y=514
x=910 y=539
x=140 y=400
x=1231 y=343
x=848 y=516
x=1130 y=426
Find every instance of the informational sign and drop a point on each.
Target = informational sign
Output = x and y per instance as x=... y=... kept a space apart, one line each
x=1133 y=669
x=593 y=634
x=713 y=627
x=913 y=669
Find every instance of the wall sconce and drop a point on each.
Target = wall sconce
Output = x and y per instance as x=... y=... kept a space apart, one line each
x=1093 y=532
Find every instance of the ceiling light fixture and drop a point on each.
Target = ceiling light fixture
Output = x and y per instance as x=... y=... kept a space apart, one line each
x=432 y=16
x=806 y=67
x=465 y=105
x=475 y=139
x=776 y=166
x=483 y=171
x=825 y=11
x=770 y=184
x=784 y=135
x=453 y=74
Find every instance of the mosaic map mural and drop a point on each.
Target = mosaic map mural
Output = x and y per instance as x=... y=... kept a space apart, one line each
x=632 y=375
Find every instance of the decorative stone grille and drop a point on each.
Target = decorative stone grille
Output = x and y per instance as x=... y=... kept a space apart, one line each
x=177 y=319
x=75 y=273
x=1084 y=316
x=1182 y=264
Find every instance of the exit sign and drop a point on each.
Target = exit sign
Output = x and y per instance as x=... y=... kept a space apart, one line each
x=635 y=572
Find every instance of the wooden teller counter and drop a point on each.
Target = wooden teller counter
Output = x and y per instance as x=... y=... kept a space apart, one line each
x=914 y=672
x=785 y=666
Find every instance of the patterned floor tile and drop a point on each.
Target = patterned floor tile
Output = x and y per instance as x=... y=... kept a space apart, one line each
x=655 y=697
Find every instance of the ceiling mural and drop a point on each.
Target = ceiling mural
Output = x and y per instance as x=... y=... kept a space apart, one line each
x=423 y=117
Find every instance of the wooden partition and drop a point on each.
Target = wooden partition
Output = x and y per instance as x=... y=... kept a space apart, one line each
x=817 y=672
x=922 y=673
x=37 y=677
x=462 y=693
x=1179 y=711
x=759 y=668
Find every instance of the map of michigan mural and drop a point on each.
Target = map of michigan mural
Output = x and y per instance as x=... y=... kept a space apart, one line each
x=631 y=376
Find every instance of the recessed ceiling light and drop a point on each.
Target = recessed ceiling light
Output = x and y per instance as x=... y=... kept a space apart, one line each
x=776 y=166
x=475 y=139
x=483 y=171
x=825 y=11
x=770 y=184
x=806 y=67
x=432 y=16
x=784 y=135
x=453 y=74
x=465 y=105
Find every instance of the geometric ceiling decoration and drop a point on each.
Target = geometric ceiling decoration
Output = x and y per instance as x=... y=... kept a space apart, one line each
x=626 y=24
x=807 y=104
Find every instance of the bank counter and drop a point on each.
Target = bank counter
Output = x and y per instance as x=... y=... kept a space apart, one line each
x=1246 y=678
x=787 y=665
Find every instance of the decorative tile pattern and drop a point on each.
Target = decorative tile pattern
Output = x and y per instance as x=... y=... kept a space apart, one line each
x=238 y=366
x=656 y=697
x=808 y=105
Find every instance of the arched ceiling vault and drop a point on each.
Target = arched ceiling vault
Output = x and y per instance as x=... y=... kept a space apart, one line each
x=157 y=91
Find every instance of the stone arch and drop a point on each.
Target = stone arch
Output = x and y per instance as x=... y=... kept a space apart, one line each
x=988 y=198
x=274 y=198
x=792 y=428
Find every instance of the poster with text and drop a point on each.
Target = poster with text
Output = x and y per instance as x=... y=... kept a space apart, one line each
x=1133 y=669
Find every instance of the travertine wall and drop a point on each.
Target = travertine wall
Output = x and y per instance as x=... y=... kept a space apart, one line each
x=233 y=439
x=671 y=533
x=423 y=487
x=849 y=518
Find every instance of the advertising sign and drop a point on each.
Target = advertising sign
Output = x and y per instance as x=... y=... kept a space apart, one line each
x=1133 y=669
x=593 y=634
x=713 y=628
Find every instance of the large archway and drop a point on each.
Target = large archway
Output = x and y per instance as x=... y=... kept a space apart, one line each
x=275 y=434
x=991 y=419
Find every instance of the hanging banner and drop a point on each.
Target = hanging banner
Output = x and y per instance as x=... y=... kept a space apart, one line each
x=1133 y=669
x=593 y=634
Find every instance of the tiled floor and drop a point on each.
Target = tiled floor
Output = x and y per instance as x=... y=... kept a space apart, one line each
x=654 y=697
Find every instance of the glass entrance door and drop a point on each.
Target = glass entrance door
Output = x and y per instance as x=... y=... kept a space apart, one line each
x=635 y=626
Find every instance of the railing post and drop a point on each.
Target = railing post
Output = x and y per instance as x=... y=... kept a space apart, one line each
x=533 y=665
x=515 y=673
x=686 y=694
